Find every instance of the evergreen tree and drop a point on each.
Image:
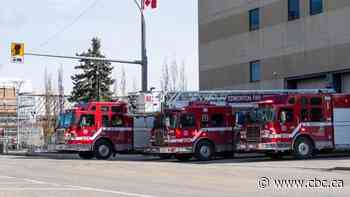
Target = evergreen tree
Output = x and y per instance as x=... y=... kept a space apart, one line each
x=94 y=81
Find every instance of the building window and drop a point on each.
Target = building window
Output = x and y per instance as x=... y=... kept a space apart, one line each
x=254 y=19
x=217 y=120
x=255 y=71
x=316 y=7
x=293 y=10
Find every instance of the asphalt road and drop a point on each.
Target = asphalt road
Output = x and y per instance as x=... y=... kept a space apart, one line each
x=139 y=176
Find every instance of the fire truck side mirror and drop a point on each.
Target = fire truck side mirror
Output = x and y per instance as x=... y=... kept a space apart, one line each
x=167 y=122
x=283 y=117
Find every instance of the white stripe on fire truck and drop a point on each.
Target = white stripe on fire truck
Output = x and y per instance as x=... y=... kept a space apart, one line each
x=99 y=131
x=199 y=133
x=213 y=129
x=309 y=124
x=117 y=129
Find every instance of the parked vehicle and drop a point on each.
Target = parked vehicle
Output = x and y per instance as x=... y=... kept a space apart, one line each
x=199 y=129
x=301 y=124
x=209 y=123
x=101 y=129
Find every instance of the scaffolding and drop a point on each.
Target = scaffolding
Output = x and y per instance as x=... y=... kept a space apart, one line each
x=37 y=118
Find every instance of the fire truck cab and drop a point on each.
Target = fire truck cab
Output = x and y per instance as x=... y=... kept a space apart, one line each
x=302 y=124
x=199 y=129
x=100 y=129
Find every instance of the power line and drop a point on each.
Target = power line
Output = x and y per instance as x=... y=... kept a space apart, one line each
x=67 y=26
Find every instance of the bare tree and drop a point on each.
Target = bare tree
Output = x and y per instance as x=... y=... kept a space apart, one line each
x=48 y=123
x=123 y=82
x=165 y=77
x=60 y=89
x=174 y=74
x=115 y=88
x=183 y=78
x=134 y=85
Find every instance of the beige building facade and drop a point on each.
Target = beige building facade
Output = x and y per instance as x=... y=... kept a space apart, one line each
x=268 y=44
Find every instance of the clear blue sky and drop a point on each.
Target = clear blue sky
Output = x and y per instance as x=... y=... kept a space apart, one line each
x=171 y=30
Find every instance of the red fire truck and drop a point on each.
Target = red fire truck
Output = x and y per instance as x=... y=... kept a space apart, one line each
x=100 y=129
x=299 y=123
x=199 y=129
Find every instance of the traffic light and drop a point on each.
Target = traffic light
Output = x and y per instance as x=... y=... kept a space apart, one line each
x=17 y=52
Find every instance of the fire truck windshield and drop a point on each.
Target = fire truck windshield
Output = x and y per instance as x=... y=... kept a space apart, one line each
x=265 y=114
x=260 y=115
x=66 y=120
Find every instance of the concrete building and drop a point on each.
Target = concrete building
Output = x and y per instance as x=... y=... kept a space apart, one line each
x=267 y=44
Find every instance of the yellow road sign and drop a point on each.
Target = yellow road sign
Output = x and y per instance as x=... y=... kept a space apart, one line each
x=17 y=52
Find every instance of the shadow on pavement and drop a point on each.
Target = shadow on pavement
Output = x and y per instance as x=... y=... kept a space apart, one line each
x=245 y=158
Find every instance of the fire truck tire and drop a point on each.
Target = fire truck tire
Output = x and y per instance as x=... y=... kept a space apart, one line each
x=86 y=155
x=103 y=150
x=204 y=151
x=303 y=148
x=183 y=157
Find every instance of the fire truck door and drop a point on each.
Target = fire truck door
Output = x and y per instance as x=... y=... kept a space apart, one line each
x=287 y=120
x=88 y=124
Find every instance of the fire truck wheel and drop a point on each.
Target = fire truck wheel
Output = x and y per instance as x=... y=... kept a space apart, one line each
x=86 y=155
x=103 y=149
x=204 y=151
x=303 y=148
x=183 y=157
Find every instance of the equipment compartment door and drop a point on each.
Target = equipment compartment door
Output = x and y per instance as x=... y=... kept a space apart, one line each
x=342 y=127
x=142 y=131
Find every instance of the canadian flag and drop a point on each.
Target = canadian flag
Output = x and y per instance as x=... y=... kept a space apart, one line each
x=149 y=3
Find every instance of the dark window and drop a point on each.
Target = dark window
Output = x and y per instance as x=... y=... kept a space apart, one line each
x=254 y=19
x=217 y=120
x=187 y=121
x=205 y=120
x=87 y=120
x=304 y=115
x=93 y=108
x=117 y=121
x=316 y=115
x=105 y=121
x=291 y=101
x=116 y=109
x=255 y=71
x=105 y=108
x=316 y=101
x=293 y=10
x=304 y=101
x=286 y=115
x=316 y=7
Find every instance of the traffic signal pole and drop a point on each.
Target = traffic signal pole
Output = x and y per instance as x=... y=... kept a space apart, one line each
x=143 y=62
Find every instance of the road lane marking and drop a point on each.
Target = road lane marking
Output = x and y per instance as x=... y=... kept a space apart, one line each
x=34 y=181
x=65 y=188
x=73 y=188
x=16 y=183
x=7 y=177
x=38 y=189
x=112 y=191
